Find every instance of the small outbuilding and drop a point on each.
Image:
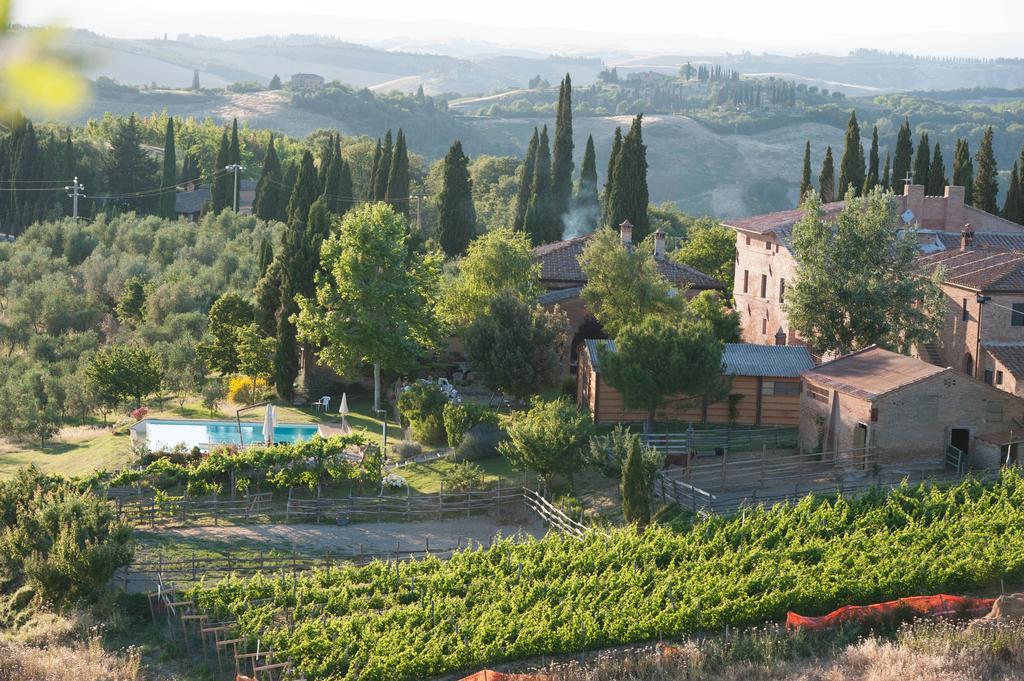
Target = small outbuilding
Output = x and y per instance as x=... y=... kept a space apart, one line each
x=907 y=410
x=765 y=388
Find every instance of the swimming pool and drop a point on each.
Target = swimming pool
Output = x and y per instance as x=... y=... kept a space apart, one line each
x=167 y=433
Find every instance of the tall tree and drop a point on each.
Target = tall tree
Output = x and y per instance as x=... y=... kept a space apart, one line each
x=221 y=178
x=526 y=182
x=851 y=167
x=963 y=170
x=398 y=177
x=827 y=178
x=268 y=203
x=886 y=182
x=561 y=152
x=275 y=82
x=629 y=189
x=587 y=205
x=609 y=180
x=805 y=177
x=380 y=179
x=456 y=224
x=540 y=222
x=1012 y=204
x=235 y=159
x=922 y=162
x=266 y=255
x=128 y=167
x=937 y=180
x=338 y=191
x=871 y=181
x=373 y=304
x=374 y=171
x=986 y=183
x=859 y=281
x=170 y=175
x=902 y=159
x=195 y=79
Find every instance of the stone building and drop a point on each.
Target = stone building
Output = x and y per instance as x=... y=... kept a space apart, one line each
x=307 y=81
x=908 y=410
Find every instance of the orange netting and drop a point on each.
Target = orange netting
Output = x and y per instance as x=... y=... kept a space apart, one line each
x=936 y=606
x=491 y=675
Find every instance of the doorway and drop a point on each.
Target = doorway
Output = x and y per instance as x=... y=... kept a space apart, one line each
x=860 y=436
x=960 y=438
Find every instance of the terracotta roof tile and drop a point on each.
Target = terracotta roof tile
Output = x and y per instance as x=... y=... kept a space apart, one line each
x=871 y=372
x=981 y=269
x=762 y=224
x=1010 y=355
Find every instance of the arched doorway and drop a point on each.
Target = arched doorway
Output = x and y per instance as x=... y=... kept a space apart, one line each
x=968 y=364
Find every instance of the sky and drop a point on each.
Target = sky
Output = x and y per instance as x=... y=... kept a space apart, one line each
x=787 y=26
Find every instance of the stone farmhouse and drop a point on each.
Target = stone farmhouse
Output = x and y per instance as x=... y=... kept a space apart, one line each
x=563 y=279
x=307 y=81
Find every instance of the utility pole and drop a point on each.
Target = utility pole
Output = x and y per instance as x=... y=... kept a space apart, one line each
x=235 y=167
x=419 y=211
x=75 y=190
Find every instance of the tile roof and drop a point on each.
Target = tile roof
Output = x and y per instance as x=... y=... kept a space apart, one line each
x=980 y=269
x=559 y=262
x=871 y=372
x=741 y=359
x=558 y=295
x=1010 y=355
x=1005 y=240
x=768 y=222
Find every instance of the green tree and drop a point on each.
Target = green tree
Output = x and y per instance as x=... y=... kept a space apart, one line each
x=222 y=179
x=373 y=303
x=963 y=170
x=526 y=182
x=456 y=224
x=901 y=161
x=338 y=191
x=937 y=174
x=710 y=247
x=805 y=176
x=624 y=284
x=124 y=372
x=587 y=205
x=657 y=360
x=380 y=178
x=131 y=306
x=170 y=174
x=183 y=369
x=129 y=169
x=378 y=152
x=858 y=282
x=827 y=178
x=550 y=439
x=266 y=255
x=269 y=202
x=541 y=223
x=228 y=314
x=871 y=181
x=636 y=487
x=922 y=161
x=195 y=79
x=517 y=347
x=986 y=182
x=561 y=152
x=724 y=321
x=398 y=177
x=255 y=354
x=885 y=183
x=498 y=260
x=851 y=167
x=609 y=182
x=275 y=83
x=1012 y=204
x=234 y=158
x=629 y=196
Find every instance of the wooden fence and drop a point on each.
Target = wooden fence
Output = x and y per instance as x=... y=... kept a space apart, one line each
x=713 y=440
x=552 y=515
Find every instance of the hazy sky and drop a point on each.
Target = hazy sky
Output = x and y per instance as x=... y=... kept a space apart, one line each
x=782 y=25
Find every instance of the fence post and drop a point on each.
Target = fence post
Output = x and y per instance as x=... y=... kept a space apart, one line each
x=764 y=451
x=725 y=456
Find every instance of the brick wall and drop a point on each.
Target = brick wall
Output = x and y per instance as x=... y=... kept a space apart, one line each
x=959 y=337
x=762 y=316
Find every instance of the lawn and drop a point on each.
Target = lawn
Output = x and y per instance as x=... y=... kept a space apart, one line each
x=82 y=451
x=426 y=477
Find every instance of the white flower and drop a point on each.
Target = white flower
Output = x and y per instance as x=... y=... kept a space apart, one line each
x=395 y=481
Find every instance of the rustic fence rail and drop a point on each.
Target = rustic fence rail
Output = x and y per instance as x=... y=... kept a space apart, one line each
x=712 y=440
x=553 y=515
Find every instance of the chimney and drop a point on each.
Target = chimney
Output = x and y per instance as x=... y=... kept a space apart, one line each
x=659 y=243
x=966 y=236
x=626 y=232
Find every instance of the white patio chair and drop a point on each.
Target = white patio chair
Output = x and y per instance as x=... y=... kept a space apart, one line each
x=322 y=404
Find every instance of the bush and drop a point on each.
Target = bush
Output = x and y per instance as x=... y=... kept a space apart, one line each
x=569 y=388
x=215 y=391
x=240 y=390
x=422 y=404
x=549 y=439
x=609 y=452
x=461 y=418
x=463 y=476
x=405 y=450
x=481 y=442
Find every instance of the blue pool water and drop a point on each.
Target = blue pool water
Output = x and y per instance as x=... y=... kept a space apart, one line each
x=166 y=434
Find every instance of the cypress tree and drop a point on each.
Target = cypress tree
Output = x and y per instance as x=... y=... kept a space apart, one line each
x=561 y=152
x=195 y=79
x=937 y=174
x=456 y=225
x=235 y=158
x=128 y=167
x=922 y=162
x=1012 y=205
x=268 y=204
x=827 y=178
x=986 y=185
x=805 y=177
x=266 y=255
x=636 y=497
x=609 y=181
x=526 y=182
x=885 y=181
x=374 y=170
x=629 y=188
x=541 y=223
x=871 y=181
x=221 y=178
x=901 y=161
x=380 y=180
x=586 y=190
x=963 y=170
x=170 y=175
x=305 y=192
x=398 y=177
x=291 y=174
x=69 y=167
x=337 y=185
x=851 y=168
x=275 y=83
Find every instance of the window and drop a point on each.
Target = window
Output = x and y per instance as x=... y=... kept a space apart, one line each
x=817 y=393
x=999 y=378
x=764 y=285
x=746 y=280
x=1017 y=316
x=988 y=376
x=764 y=326
x=786 y=388
x=782 y=290
x=963 y=313
x=768 y=245
x=748 y=240
x=993 y=411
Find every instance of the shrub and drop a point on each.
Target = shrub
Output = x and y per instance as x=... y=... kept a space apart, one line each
x=240 y=389
x=461 y=418
x=549 y=439
x=481 y=442
x=569 y=387
x=422 y=403
x=405 y=449
x=215 y=391
x=463 y=476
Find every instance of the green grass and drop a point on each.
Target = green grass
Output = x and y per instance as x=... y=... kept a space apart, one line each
x=426 y=477
x=153 y=545
x=108 y=451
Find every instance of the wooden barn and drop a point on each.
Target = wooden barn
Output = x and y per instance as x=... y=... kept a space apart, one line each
x=765 y=388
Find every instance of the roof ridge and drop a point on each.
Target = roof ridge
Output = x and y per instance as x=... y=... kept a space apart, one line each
x=833 y=361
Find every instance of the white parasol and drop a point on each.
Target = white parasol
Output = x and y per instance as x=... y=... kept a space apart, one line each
x=269 y=420
x=343 y=410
